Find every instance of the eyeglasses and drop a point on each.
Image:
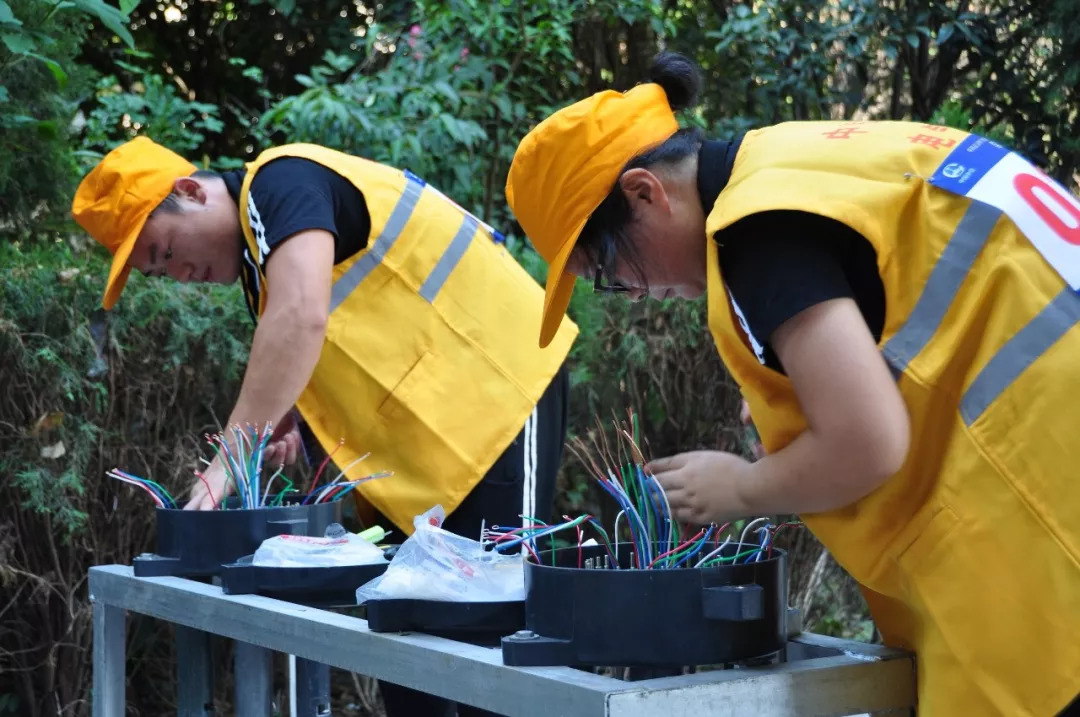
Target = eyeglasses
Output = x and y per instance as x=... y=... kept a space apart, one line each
x=607 y=251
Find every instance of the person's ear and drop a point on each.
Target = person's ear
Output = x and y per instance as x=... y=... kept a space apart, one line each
x=643 y=189
x=190 y=188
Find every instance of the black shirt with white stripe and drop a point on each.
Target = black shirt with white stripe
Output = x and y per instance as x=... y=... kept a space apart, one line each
x=292 y=195
x=779 y=263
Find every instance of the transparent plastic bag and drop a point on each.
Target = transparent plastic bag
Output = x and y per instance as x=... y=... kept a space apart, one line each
x=435 y=564
x=338 y=548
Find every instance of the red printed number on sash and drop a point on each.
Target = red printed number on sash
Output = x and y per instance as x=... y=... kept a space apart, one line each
x=1041 y=208
x=1043 y=198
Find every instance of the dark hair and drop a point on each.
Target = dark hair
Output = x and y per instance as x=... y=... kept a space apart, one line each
x=171 y=204
x=604 y=235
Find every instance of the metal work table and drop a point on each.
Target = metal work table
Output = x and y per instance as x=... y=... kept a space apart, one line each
x=822 y=675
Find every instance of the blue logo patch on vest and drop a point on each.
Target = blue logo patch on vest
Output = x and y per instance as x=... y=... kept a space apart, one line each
x=1043 y=210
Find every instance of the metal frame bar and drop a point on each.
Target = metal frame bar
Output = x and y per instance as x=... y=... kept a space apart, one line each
x=823 y=675
x=194 y=673
x=109 y=661
x=253 y=693
x=312 y=688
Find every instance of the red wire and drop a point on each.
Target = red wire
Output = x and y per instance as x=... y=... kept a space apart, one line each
x=153 y=495
x=716 y=538
x=532 y=552
x=774 y=533
x=675 y=550
x=511 y=534
x=205 y=483
x=318 y=473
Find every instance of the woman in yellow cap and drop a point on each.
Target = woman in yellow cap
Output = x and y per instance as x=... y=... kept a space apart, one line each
x=898 y=304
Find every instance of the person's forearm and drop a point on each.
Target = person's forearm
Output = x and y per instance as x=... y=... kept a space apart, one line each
x=813 y=474
x=284 y=353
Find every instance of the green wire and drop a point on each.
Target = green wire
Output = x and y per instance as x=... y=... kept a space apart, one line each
x=283 y=493
x=603 y=534
x=675 y=557
x=256 y=459
x=163 y=491
x=650 y=508
x=721 y=559
x=245 y=474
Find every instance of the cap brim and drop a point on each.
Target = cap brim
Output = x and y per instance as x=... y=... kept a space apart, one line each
x=119 y=271
x=558 y=290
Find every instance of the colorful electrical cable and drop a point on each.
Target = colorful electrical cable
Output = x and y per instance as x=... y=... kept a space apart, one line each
x=651 y=530
x=241 y=450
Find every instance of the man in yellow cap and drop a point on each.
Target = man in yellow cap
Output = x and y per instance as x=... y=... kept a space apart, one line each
x=898 y=304
x=394 y=321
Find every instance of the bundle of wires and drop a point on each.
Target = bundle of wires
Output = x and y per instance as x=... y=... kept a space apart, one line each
x=161 y=497
x=654 y=536
x=242 y=459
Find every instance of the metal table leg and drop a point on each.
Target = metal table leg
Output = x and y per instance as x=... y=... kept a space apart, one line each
x=109 y=659
x=194 y=673
x=253 y=679
x=312 y=688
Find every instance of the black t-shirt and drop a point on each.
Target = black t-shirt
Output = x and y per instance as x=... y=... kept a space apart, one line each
x=778 y=263
x=291 y=195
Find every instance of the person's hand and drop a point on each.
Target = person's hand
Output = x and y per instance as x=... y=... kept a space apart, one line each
x=284 y=444
x=701 y=486
x=208 y=492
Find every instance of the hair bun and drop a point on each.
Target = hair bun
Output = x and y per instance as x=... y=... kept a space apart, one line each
x=680 y=78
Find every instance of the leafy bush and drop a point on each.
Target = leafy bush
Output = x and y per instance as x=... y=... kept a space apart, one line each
x=409 y=114
x=153 y=105
x=83 y=393
x=40 y=83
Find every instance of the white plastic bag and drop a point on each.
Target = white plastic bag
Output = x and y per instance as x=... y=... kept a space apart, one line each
x=435 y=564
x=300 y=551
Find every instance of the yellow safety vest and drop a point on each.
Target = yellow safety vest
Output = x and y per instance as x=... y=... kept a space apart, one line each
x=430 y=360
x=970 y=554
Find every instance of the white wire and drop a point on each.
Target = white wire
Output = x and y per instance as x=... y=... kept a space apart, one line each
x=723 y=545
x=742 y=538
x=667 y=506
x=153 y=495
x=269 y=482
x=647 y=549
x=617 y=517
x=346 y=468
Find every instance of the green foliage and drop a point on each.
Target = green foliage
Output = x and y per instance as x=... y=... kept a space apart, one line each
x=153 y=106
x=60 y=408
x=411 y=113
x=40 y=82
x=443 y=87
x=84 y=392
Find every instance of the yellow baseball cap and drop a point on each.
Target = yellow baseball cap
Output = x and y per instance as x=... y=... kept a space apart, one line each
x=114 y=200
x=565 y=167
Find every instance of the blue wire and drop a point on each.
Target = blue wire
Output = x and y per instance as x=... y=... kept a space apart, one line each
x=165 y=499
x=638 y=532
x=658 y=495
x=700 y=545
x=521 y=539
x=764 y=539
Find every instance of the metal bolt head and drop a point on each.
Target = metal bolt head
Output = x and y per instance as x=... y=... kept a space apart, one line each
x=524 y=635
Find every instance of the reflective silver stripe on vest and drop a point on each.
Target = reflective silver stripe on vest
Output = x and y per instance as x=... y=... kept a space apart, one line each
x=450 y=258
x=945 y=279
x=1019 y=352
x=374 y=256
